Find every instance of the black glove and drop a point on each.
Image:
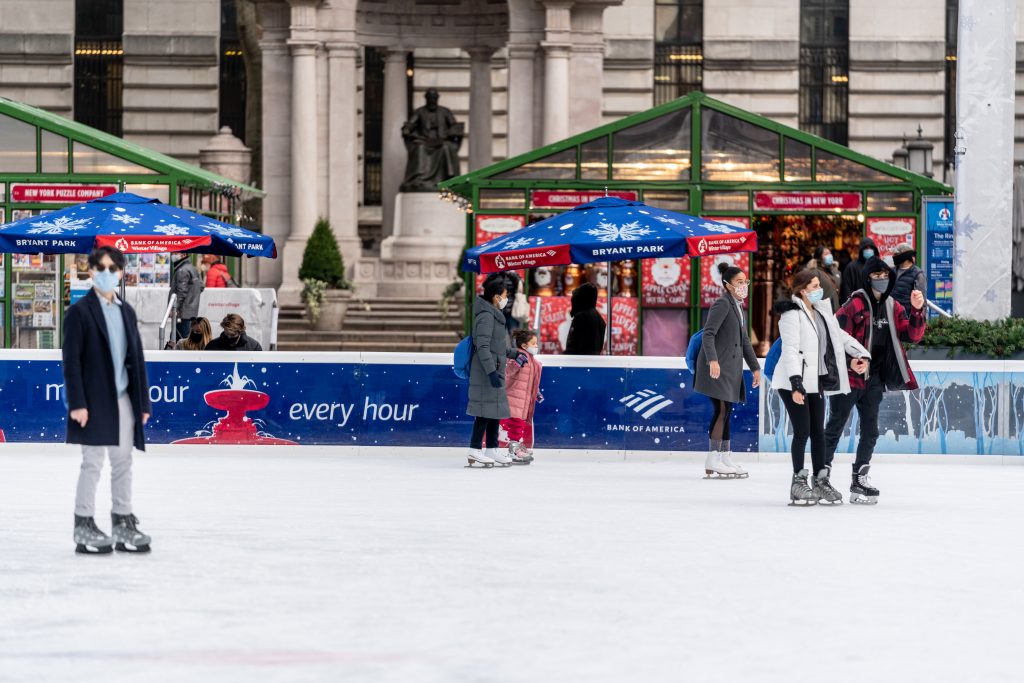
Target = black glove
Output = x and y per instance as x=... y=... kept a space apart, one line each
x=522 y=359
x=495 y=379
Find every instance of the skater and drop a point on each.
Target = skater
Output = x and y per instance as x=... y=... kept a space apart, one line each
x=719 y=373
x=186 y=289
x=108 y=403
x=811 y=367
x=850 y=280
x=586 y=333
x=522 y=379
x=882 y=326
x=908 y=276
x=487 y=400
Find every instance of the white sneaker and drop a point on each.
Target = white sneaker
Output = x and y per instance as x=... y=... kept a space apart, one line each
x=498 y=456
x=714 y=468
x=727 y=461
x=476 y=457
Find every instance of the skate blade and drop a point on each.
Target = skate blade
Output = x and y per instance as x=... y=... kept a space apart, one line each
x=520 y=463
x=473 y=465
x=83 y=549
x=802 y=503
x=719 y=475
x=741 y=475
x=856 y=499
x=129 y=548
x=830 y=503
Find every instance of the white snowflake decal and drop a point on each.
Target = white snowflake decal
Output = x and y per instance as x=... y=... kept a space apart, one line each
x=668 y=220
x=627 y=232
x=519 y=243
x=59 y=225
x=716 y=227
x=171 y=229
x=125 y=218
x=224 y=230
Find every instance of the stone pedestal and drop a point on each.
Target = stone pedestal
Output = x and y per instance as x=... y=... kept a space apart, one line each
x=420 y=258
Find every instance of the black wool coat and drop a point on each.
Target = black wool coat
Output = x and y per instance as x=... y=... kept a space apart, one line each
x=89 y=374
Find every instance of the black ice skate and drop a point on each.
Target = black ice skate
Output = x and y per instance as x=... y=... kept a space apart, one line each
x=89 y=540
x=127 y=537
x=861 y=490
x=800 y=494
x=827 y=494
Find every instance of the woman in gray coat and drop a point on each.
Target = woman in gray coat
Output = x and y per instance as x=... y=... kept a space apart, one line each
x=719 y=372
x=488 y=402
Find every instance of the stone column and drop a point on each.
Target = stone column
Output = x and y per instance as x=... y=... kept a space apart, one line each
x=481 y=138
x=520 y=98
x=343 y=139
x=557 y=50
x=586 y=71
x=396 y=112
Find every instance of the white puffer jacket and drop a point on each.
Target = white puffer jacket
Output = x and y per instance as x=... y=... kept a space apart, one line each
x=800 y=346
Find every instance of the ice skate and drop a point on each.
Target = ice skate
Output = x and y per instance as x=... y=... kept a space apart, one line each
x=89 y=540
x=714 y=468
x=499 y=457
x=800 y=494
x=727 y=460
x=518 y=454
x=861 y=490
x=127 y=537
x=823 y=489
x=476 y=458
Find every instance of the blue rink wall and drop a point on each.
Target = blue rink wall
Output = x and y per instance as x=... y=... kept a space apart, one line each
x=596 y=403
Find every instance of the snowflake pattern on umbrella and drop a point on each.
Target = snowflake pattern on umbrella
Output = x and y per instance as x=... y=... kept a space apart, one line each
x=59 y=225
x=716 y=227
x=125 y=218
x=224 y=230
x=519 y=243
x=668 y=220
x=627 y=232
x=171 y=229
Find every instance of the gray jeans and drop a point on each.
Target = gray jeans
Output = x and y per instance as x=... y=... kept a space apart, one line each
x=120 y=467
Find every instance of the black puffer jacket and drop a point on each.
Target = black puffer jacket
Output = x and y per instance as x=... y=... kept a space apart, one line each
x=586 y=334
x=851 y=280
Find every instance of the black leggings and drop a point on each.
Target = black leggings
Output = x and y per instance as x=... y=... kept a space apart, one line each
x=721 y=420
x=808 y=421
x=480 y=426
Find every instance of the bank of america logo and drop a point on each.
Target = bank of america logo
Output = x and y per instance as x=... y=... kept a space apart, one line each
x=646 y=402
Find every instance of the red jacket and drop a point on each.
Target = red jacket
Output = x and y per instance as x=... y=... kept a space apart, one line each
x=855 y=317
x=217 y=275
x=522 y=385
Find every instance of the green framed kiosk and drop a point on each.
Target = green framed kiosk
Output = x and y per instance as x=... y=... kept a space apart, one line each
x=48 y=162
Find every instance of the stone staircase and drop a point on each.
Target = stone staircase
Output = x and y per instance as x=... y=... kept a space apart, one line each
x=393 y=325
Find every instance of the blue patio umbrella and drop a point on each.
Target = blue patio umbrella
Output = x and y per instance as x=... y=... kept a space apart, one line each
x=133 y=224
x=608 y=229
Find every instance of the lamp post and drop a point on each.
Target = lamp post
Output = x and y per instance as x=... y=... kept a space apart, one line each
x=901 y=157
x=920 y=155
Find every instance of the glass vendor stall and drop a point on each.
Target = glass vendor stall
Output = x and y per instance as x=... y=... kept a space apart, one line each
x=703 y=157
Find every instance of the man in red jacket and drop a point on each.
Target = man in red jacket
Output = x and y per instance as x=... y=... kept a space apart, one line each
x=881 y=325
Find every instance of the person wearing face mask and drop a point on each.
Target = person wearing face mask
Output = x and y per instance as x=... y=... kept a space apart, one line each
x=882 y=325
x=851 y=278
x=186 y=288
x=108 y=403
x=825 y=267
x=719 y=372
x=488 y=403
x=198 y=337
x=522 y=379
x=233 y=337
x=908 y=276
x=812 y=366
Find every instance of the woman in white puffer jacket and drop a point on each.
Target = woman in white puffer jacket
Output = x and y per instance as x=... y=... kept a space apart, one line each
x=813 y=365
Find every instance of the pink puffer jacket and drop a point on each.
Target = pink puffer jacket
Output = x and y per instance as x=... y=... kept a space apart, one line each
x=522 y=386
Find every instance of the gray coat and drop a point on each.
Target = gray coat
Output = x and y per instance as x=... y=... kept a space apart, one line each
x=725 y=340
x=490 y=351
x=186 y=288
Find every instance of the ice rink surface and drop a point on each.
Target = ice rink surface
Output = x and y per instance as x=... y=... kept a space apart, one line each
x=291 y=565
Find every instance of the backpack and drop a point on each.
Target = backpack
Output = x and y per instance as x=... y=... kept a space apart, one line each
x=463 y=356
x=693 y=350
x=772 y=359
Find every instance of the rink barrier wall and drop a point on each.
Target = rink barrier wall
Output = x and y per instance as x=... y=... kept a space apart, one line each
x=593 y=403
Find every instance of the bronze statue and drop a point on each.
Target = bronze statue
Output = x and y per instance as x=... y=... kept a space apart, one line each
x=433 y=138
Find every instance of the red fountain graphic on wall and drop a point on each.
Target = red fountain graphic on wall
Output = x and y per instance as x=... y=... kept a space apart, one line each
x=236 y=427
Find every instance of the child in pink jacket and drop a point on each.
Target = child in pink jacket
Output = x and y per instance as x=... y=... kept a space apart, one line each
x=522 y=385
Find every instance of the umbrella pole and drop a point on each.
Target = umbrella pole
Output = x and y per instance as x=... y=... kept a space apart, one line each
x=609 y=302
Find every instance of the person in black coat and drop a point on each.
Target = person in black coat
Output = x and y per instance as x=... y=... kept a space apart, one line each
x=851 y=278
x=107 y=401
x=233 y=338
x=586 y=333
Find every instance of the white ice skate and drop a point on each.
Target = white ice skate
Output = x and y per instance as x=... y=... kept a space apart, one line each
x=728 y=462
x=518 y=453
x=499 y=457
x=476 y=457
x=714 y=468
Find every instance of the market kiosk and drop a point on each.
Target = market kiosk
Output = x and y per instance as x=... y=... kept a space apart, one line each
x=699 y=156
x=48 y=162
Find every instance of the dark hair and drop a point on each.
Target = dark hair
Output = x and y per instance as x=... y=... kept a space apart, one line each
x=729 y=272
x=233 y=324
x=818 y=252
x=494 y=287
x=99 y=252
x=522 y=337
x=801 y=280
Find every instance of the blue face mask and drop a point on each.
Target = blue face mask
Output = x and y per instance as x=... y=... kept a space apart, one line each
x=105 y=281
x=815 y=296
x=828 y=260
x=868 y=253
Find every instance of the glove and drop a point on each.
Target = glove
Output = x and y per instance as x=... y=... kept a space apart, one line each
x=540 y=397
x=522 y=359
x=495 y=379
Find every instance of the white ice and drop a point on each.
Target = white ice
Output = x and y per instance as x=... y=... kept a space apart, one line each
x=305 y=565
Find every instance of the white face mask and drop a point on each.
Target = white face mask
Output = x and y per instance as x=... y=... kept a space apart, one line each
x=741 y=291
x=502 y=302
x=532 y=350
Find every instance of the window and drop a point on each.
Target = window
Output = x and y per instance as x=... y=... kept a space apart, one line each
x=17 y=146
x=735 y=150
x=557 y=166
x=658 y=149
x=232 y=72
x=824 y=68
x=373 y=124
x=830 y=168
x=99 y=64
x=678 y=48
x=91 y=160
x=952 y=18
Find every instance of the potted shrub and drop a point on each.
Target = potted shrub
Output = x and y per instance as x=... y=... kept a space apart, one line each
x=325 y=290
x=971 y=339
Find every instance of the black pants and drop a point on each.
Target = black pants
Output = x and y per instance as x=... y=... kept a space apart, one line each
x=867 y=401
x=480 y=426
x=721 y=420
x=808 y=422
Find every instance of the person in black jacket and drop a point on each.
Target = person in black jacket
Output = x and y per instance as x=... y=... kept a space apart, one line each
x=586 y=333
x=908 y=276
x=851 y=278
x=233 y=338
x=108 y=402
